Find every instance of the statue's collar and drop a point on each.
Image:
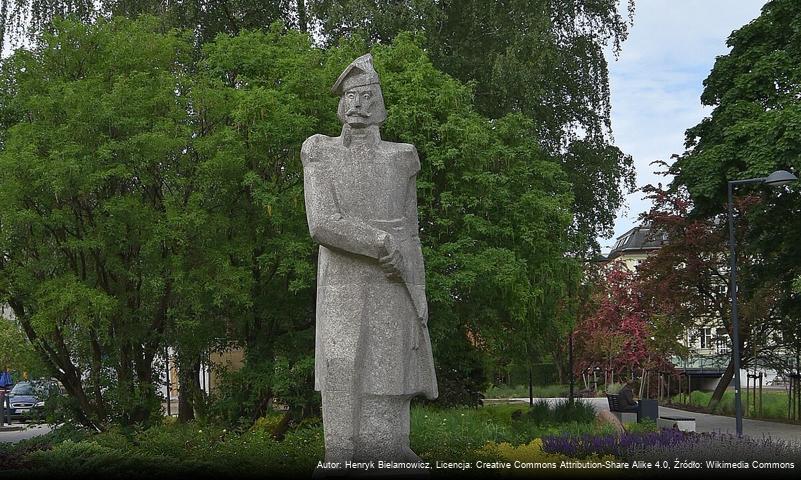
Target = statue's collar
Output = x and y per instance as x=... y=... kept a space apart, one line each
x=369 y=136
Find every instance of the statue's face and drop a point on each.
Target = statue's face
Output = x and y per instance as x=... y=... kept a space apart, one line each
x=362 y=106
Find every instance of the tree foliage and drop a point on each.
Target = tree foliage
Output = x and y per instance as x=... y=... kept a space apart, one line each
x=618 y=330
x=508 y=104
x=542 y=58
x=91 y=171
x=152 y=197
x=494 y=212
x=17 y=354
x=754 y=129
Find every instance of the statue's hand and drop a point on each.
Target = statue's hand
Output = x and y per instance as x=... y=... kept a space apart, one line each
x=392 y=262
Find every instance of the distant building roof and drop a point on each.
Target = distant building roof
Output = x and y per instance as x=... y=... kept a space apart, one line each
x=640 y=239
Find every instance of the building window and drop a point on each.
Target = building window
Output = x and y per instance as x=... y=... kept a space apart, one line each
x=721 y=341
x=706 y=338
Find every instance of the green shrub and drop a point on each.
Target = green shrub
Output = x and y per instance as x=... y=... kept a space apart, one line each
x=643 y=426
x=521 y=391
x=71 y=456
x=540 y=412
x=453 y=434
x=578 y=411
x=563 y=411
x=202 y=449
x=71 y=459
x=114 y=439
x=42 y=442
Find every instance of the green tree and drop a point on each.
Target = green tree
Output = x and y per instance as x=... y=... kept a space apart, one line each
x=494 y=209
x=93 y=134
x=541 y=58
x=754 y=129
x=25 y=20
x=153 y=197
x=258 y=95
x=17 y=354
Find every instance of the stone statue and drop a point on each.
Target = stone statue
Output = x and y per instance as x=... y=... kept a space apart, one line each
x=373 y=352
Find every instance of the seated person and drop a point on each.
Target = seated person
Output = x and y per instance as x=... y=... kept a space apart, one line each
x=626 y=398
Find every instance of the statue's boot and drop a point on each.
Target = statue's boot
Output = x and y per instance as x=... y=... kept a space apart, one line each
x=339 y=426
x=339 y=433
x=340 y=405
x=384 y=436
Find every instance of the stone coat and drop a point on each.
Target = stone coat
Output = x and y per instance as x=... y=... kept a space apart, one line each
x=369 y=335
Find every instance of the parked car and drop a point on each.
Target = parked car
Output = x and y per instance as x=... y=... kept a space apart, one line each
x=28 y=399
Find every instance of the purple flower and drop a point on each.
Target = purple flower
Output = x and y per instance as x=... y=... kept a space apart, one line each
x=586 y=445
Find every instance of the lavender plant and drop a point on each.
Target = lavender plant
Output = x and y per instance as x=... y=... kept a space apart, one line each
x=708 y=448
x=617 y=445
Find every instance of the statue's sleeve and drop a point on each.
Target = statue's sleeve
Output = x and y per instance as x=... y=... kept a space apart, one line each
x=411 y=196
x=327 y=225
x=416 y=277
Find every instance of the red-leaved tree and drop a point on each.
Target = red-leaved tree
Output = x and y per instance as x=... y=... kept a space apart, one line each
x=616 y=332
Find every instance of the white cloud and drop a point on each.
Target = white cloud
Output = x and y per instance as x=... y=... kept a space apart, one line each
x=656 y=83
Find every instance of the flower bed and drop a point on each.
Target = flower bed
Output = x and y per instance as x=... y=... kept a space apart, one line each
x=586 y=445
x=665 y=445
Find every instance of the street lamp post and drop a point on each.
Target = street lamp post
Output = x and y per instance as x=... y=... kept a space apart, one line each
x=775 y=179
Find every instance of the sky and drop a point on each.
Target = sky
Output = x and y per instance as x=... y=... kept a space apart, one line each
x=657 y=81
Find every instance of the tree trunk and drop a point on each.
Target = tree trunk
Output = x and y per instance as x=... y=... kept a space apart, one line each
x=558 y=359
x=723 y=384
x=84 y=411
x=198 y=395
x=189 y=393
x=302 y=21
x=95 y=373
x=186 y=411
x=642 y=382
x=62 y=368
x=560 y=374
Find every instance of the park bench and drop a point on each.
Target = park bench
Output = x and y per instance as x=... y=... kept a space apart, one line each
x=647 y=409
x=625 y=416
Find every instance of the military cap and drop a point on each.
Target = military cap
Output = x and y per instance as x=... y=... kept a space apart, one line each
x=359 y=73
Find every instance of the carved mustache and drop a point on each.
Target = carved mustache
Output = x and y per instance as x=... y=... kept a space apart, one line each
x=359 y=113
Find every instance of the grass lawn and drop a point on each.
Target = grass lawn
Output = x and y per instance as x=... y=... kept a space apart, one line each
x=774 y=404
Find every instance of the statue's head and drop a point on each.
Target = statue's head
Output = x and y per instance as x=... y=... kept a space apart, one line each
x=360 y=101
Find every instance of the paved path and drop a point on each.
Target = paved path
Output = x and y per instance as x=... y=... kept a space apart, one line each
x=27 y=431
x=708 y=423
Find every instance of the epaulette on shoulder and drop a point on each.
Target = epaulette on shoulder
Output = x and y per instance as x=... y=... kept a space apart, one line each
x=409 y=152
x=310 y=151
x=407 y=147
